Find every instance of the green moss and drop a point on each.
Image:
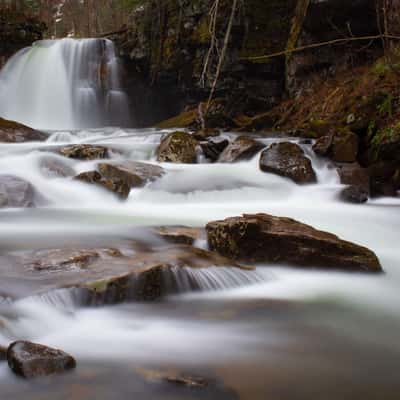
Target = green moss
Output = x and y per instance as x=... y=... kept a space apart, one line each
x=182 y=120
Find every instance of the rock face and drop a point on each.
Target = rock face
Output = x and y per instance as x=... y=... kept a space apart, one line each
x=15 y=192
x=265 y=238
x=242 y=148
x=134 y=174
x=84 y=152
x=115 y=185
x=14 y=132
x=31 y=360
x=288 y=160
x=178 y=147
x=345 y=147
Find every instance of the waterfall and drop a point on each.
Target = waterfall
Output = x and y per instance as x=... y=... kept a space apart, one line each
x=64 y=84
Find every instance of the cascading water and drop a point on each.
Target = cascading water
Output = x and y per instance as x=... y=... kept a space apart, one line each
x=68 y=84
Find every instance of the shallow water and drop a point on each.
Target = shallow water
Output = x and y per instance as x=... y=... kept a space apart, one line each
x=290 y=334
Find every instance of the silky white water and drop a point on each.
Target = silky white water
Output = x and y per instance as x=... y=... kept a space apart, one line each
x=65 y=83
x=233 y=321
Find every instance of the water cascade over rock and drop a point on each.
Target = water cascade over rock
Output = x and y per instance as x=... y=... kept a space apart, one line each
x=64 y=84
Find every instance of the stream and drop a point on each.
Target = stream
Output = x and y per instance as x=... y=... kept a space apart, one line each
x=287 y=333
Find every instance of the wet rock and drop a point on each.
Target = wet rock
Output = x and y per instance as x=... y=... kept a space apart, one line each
x=265 y=238
x=345 y=147
x=31 y=360
x=84 y=152
x=115 y=185
x=15 y=192
x=134 y=174
x=323 y=145
x=213 y=148
x=354 y=194
x=66 y=259
x=55 y=168
x=242 y=148
x=14 y=132
x=187 y=380
x=179 y=234
x=288 y=160
x=178 y=147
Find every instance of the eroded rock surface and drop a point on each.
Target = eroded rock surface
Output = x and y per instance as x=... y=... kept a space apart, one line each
x=265 y=238
x=288 y=160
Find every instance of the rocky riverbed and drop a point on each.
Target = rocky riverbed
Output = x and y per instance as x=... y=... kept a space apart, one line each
x=207 y=274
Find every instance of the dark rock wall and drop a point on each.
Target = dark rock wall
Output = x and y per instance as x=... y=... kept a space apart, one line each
x=166 y=47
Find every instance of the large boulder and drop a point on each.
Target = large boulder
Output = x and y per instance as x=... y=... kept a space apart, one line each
x=115 y=185
x=133 y=173
x=14 y=132
x=84 y=152
x=15 y=192
x=242 y=148
x=265 y=238
x=178 y=147
x=31 y=360
x=288 y=160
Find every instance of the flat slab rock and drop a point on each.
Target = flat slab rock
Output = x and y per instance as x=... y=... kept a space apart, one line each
x=109 y=275
x=265 y=238
x=288 y=160
x=32 y=360
x=14 y=132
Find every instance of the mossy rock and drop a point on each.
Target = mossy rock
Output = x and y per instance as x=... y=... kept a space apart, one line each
x=178 y=147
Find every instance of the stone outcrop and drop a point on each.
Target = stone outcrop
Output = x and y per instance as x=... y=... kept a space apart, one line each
x=14 y=132
x=269 y=239
x=31 y=360
x=288 y=160
x=178 y=147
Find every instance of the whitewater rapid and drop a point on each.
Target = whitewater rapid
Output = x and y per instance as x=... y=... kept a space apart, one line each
x=213 y=327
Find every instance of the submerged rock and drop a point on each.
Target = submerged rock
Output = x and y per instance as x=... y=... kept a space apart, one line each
x=133 y=173
x=288 y=160
x=14 y=132
x=115 y=185
x=31 y=360
x=84 y=152
x=179 y=234
x=265 y=238
x=15 y=192
x=178 y=147
x=55 y=168
x=242 y=148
